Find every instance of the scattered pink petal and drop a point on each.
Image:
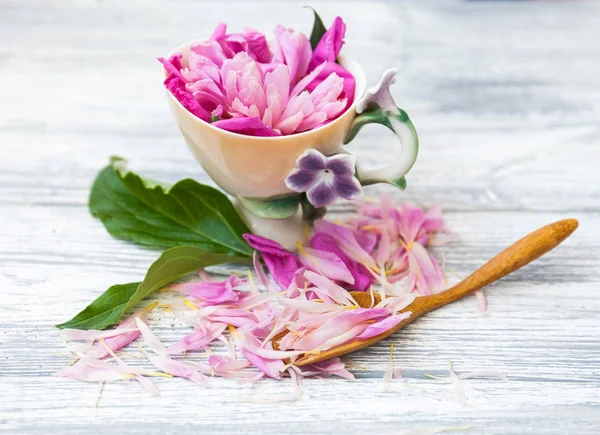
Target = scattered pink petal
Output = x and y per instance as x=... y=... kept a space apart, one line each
x=481 y=302
x=461 y=397
x=198 y=339
x=281 y=263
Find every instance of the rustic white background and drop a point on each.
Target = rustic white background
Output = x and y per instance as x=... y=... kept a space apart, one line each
x=506 y=98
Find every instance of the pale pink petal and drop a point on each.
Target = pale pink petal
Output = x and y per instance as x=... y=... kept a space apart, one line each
x=302 y=84
x=91 y=334
x=326 y=263
x=211 y=50
x=461 y=397
x=327 y=91
x=346 y=241
x=382 y=326
x=197 y=339
x=311 y=121
x=362 y=277
x=152 y=340
x=299 y=104
x=293 y=49
x=257 y=44
x=326 y=288
x=428 y=276
x=211 y=293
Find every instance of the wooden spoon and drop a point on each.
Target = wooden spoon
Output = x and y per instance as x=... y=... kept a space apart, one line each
x=512 y=258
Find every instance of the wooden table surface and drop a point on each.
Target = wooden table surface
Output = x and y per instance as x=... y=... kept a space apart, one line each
x=506 y=99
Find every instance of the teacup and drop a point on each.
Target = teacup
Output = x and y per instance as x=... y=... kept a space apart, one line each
x=254 y=169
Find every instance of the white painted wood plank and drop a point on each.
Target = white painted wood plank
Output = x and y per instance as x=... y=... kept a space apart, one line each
x=505 y=98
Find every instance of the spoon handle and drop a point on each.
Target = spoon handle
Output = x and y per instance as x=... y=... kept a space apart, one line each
x=512 y=258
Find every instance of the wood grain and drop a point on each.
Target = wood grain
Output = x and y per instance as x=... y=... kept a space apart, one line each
x=505 y=98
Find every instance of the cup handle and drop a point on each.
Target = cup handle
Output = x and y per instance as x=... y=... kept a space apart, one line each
x=377 y=106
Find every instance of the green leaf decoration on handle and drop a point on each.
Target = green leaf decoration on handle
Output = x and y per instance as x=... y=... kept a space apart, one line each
x=318 y=29
x=110 y=306
x=276 y=208
x=151 y=214
x=378 y=107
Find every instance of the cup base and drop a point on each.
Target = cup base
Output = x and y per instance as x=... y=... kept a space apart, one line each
x=286 y=232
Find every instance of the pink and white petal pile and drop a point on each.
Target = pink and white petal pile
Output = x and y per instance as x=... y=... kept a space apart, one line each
x=312 y=311
x=241 y=83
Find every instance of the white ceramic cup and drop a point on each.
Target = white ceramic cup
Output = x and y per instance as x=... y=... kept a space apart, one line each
x=256 y=167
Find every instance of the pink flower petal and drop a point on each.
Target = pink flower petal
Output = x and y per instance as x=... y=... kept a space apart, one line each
x=257 y=44
x=346 y=241
x=326 y=263
x=325 y=288
x=362 y=278
x=330 y=45
x=211 y=293
x=281 y=263
x=247 y=126
x=197 y=339
x=382 y=326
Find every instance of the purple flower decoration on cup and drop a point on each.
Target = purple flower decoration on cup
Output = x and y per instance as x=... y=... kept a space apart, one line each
x=324 y=179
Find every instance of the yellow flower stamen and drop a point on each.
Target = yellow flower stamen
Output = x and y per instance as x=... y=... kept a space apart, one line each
x=151 y=306
x=143 y=350
x=159 y=374
x=190 y=304
x=300 y=248
x=408 y=247
x=427 y=375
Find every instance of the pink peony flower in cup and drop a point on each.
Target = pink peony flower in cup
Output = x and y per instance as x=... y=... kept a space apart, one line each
x=240 y=83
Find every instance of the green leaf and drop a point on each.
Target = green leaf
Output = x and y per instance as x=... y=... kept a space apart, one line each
x=109 y=307
x=400 y=183
x=278 y=208
x=150 y=214
x=318 y=29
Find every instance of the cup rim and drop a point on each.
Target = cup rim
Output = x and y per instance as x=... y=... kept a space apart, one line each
x=184 y=48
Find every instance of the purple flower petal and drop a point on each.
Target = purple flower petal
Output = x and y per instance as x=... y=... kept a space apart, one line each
x=247 y=126
x=321 y=195
x=282 y=264
x=342 y=164
x=311 y=160
x=301 y=180
x=347 y=187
